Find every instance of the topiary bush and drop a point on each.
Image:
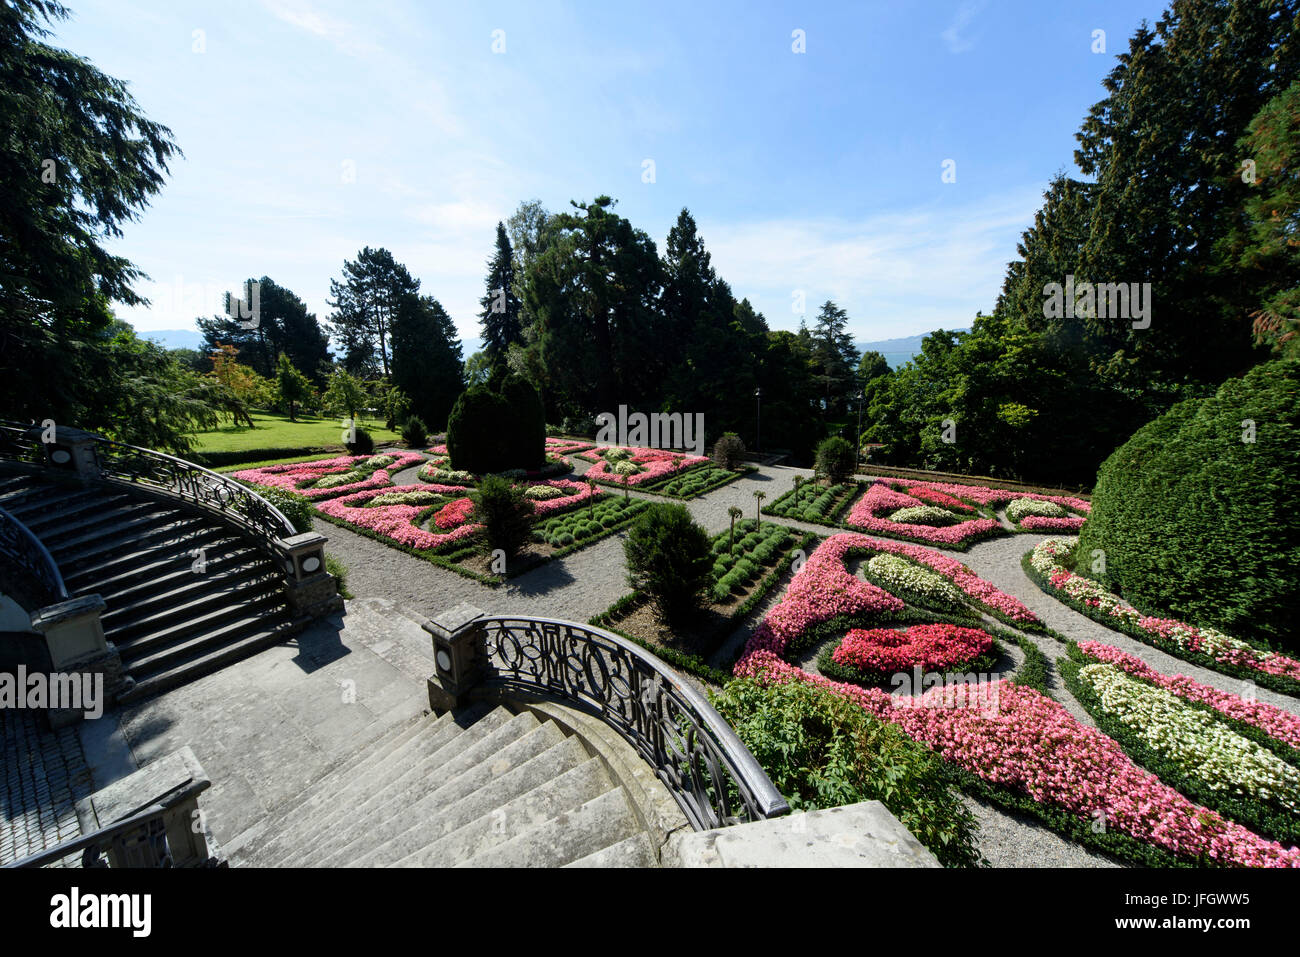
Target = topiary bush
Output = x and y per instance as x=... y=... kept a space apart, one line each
x=1198 y=522
x=491 y=431
x=728 y=450
x=526 y=425
x=415 y=433
x=669 y=557
x=836 y=460
x=505 y=512
x=822 y=750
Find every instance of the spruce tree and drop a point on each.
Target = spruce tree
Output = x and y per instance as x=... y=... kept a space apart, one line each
x=500 y=315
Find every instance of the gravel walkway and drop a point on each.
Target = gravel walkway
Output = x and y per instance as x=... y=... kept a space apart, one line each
x=588 y=581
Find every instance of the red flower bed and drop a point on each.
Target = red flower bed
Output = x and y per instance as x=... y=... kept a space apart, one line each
x=928 y=647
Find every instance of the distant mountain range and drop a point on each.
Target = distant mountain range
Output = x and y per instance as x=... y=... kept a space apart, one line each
x=898 y=351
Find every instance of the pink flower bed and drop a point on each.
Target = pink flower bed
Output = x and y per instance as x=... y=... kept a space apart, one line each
x=576 y=493
x=1030 y=744
x=396 y=522
x=1280 y=725
x=929 y=647
x=1070 y=523
x=298 y=477
x=986 y=593
x=983 y=495
x=655 y=464
x=556 y=446
x=868 y=512
x=437 y=450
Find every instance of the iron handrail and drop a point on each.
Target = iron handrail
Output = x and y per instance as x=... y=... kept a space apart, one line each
x=692 y=750
x=20 y=544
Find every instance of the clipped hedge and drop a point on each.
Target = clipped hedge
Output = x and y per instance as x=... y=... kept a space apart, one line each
x=1196 y=523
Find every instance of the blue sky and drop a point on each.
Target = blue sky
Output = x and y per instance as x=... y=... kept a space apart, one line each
x=313 y=128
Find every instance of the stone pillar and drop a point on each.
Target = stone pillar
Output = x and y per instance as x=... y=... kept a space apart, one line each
x=73 y=450
x=309 y=588
x=177 y=779
x=458 y=649
x=74 y=636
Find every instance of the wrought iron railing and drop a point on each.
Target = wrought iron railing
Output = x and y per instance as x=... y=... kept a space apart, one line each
x=210 y=490
x=161 y=472
x=710 y=773
x=22 y=549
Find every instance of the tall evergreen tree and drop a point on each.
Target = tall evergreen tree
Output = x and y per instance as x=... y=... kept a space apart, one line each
x=365 y=302
x=283 y=326
x=834 y=357
x=500 y=315
x=428 y=366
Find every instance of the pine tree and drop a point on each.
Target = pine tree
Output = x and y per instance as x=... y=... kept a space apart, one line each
x=500 y=315
x=428 y=366
x=364 y=303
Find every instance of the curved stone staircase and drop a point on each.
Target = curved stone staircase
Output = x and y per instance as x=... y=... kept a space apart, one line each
x=185 y=593
x=481 y=787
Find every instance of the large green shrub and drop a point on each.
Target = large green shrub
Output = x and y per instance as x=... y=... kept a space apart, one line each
x=505 y=512
x=728 y=450
x=414 y=432
x=1199 y=523
x=491 y=431
x=836 y=459
x=822 y=750
x=668 y=557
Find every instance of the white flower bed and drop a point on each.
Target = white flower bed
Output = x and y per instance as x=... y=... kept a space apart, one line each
x=1195 y=741
x=923 y=515
x=1021 y=508
x=898 y=574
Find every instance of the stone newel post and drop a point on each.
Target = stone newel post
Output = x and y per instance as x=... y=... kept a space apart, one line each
x=458 y=637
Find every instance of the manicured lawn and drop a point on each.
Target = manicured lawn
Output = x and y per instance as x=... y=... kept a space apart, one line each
x=275 y=431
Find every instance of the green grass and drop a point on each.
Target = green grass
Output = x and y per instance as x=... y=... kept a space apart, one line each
x=275 y=431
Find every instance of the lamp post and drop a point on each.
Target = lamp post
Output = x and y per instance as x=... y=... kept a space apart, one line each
x=758 y=415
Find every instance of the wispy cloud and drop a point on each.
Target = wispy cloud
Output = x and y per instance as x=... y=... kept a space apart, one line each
x=896 y=273
x=952 y=36
x=347 y=37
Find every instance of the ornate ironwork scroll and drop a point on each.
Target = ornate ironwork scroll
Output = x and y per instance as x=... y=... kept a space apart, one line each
x=22 y=549
x=697 y=756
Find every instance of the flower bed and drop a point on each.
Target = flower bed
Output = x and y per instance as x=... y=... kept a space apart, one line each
x=914 y=584
x=693 y=482
x=870 y=512
x=1192 y=749
x=1046 y=564
x=581 y=526
x=1034 y=751
x=326 y=478
x=934 y=497
x=923 y=515
x=879 y=653
x=1030 y=754
x=1019 y=509
x=1041 y=523
x=555 y=446
x=1281 y=726
x=401 y=523
x=650 y=464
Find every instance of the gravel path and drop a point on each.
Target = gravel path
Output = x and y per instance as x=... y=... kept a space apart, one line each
x=588 y=581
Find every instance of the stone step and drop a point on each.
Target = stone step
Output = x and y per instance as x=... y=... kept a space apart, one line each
x=235 y=644
x=322 y=829
x=427 y=798
x=174 y=537
x=563 y=778
x=132 y=565
x=119 y=526
x=39 y=499
x=300 y=814
x=366 y=817
x=163 y=649
x=571 y=835
x=65 y=524
x=132 y=625
x=171 y=576
x=634 y=851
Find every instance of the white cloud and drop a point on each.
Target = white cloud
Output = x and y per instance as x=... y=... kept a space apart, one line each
x=952 y=37
x=896 y=273
x=304 y=15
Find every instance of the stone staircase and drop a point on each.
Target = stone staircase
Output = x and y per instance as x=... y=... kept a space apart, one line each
x=482 y=787
x=170 y=619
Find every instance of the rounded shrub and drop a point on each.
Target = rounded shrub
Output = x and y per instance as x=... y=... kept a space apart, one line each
x=505 y=512
x=668 y=557
x=415 y=433
x=836 y=459
x=362 y=443
x=728 y=450
x=1198 y=514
